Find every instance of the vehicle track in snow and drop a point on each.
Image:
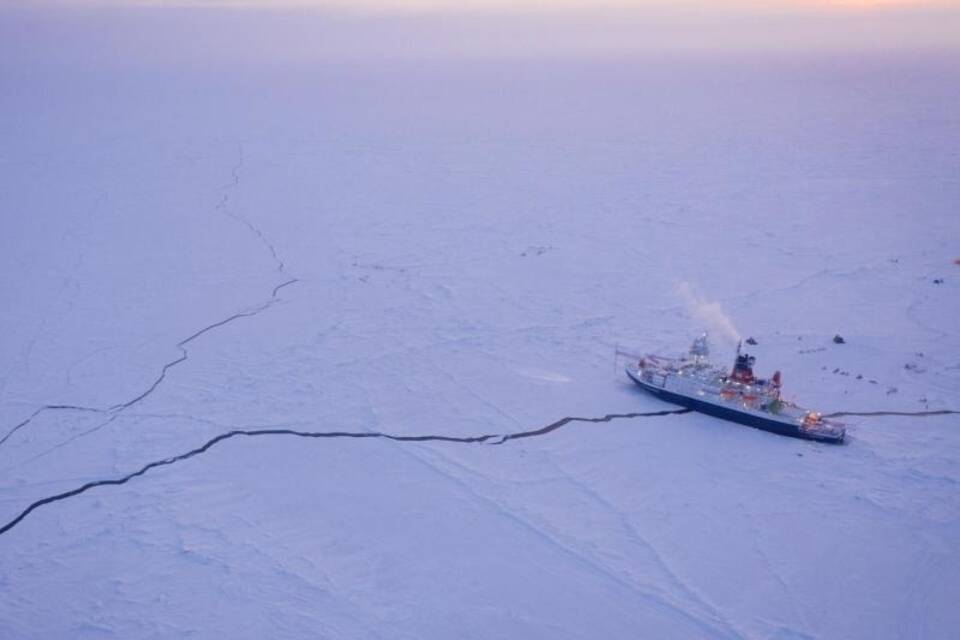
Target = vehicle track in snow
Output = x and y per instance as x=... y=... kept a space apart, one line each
x=717 y=625
x=712 y=622
x=493 y=439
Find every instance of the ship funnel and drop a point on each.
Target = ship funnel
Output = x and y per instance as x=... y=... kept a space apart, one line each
x=743 y=367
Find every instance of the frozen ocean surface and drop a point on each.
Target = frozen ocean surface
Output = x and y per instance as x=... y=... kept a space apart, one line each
x=456 y=248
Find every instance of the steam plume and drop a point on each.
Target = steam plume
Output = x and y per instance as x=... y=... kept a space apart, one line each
x=709 y=314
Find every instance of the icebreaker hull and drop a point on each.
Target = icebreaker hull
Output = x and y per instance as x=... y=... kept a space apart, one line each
x=781 y=427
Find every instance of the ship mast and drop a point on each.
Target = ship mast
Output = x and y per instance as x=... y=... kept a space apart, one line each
x=700 y=350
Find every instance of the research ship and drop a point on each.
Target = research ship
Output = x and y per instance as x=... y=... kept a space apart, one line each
x=692 y=381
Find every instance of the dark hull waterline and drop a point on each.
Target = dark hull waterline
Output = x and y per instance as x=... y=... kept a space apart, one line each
x=741 y=417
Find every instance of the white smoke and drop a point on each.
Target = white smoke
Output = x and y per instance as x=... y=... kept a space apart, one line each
x=709 y=314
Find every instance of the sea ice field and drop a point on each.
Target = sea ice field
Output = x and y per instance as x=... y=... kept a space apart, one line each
x=398 y=257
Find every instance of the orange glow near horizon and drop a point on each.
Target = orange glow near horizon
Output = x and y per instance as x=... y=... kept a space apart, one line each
x=518 y=29
x=391 y=6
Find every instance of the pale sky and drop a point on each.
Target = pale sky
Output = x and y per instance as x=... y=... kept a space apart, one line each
x=174 y=31
x=501 y=5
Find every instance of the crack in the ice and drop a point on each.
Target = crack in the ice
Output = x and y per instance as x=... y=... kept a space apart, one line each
x=908 y=414
x=184 y=355
x=254 y=229
x=82 y=434
x=181 y=346
x=44 y=408
x=493 y=439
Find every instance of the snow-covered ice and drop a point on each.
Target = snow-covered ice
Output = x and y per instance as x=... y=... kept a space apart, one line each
x=456 y=248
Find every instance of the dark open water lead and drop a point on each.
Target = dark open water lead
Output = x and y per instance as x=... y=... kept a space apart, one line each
x=488 y=439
